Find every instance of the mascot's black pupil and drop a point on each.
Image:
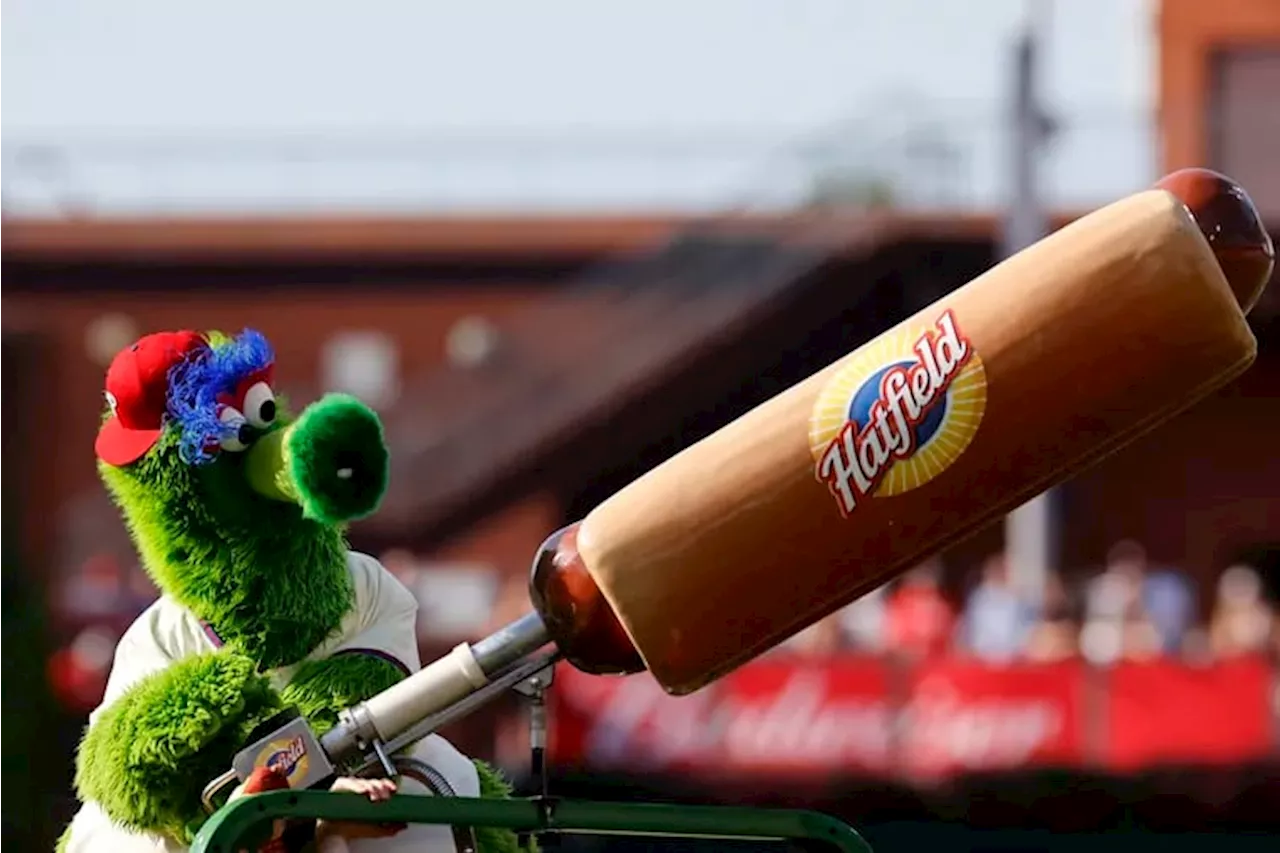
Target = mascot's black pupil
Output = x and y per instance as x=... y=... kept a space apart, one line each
x=245 y=434
x=267 y=412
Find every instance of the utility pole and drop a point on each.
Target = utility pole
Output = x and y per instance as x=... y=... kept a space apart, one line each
x=1031 y=531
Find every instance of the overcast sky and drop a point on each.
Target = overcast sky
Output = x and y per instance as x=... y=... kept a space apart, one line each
x=552 y=104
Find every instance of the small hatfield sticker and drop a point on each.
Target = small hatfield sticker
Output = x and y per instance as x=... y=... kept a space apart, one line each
x=898 y=413
x=286 y=755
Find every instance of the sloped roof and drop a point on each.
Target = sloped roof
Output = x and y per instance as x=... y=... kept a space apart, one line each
x=317 y=239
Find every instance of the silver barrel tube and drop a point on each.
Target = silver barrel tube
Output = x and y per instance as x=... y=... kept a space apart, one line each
x=436 y=686
x=509 y=644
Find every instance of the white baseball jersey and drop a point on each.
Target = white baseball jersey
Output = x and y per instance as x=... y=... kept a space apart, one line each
x=382 y=623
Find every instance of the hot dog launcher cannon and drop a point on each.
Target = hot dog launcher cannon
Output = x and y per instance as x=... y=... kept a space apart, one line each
x=1007 y=386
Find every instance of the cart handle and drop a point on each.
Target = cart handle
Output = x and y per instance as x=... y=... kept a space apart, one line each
x=224 y=831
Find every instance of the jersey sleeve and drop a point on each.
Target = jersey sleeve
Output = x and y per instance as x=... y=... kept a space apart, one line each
x=163 y=634
x=386 y=618
x=141 y=652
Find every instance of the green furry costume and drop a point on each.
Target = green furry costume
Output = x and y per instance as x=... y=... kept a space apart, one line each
x=237 y=510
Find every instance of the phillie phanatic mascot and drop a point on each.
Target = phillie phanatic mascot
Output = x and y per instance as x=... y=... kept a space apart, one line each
x=237 y=508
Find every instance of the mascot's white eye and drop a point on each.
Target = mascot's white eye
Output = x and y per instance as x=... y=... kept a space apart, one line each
x=236 y=441
x=260 y=405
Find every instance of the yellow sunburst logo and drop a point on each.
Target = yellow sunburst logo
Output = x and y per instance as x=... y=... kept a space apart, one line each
x=288 y=755
x=897 y=413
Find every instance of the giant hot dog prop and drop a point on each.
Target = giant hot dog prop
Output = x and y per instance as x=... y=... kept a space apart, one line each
x=1006 y=387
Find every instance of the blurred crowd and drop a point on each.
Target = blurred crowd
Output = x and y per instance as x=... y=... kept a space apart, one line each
x=1127 y=609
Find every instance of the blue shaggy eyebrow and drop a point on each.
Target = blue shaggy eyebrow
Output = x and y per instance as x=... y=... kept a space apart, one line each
x=194 y=386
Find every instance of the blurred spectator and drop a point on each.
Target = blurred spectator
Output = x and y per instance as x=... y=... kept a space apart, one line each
x=1136 y=610
x=821 y=639
x=140 y=591
x=96 y=589
x=1056 y=636
x=1242 y=620
x=919 y=618
x=1140 y=638
x=78 y=673
x=862 y=623
x=1169 y=598
x=998 y=617
x=1110 y=597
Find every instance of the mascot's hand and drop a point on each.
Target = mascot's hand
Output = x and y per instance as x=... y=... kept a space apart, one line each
x=321 y=688
x=147 y=758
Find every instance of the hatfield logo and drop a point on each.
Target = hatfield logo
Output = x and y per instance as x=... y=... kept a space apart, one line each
x=287 y=756
x=898 y=413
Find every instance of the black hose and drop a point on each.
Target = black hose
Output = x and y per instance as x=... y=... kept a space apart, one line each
x=464 y=837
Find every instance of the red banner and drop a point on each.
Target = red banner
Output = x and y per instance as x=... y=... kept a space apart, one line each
x=1169 y=713
x=968 y=716
x=857 y=716
x=771 y=716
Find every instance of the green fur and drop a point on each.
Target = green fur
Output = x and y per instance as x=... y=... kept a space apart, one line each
x=149 y=755
x=63 y=840
x=490 y=839
x=269 y=581
x=217 y=337
x=322 y=688
x=339 y=433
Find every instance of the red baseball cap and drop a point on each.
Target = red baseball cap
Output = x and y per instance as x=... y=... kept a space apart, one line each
x=137 y=388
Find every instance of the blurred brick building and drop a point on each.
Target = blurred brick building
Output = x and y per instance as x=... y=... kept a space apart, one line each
x=636 y=335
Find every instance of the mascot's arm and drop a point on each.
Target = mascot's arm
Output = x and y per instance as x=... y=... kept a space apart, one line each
x=322 y=688
x=148 y=755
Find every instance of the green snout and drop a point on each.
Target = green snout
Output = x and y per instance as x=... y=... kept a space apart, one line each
x=332 y=461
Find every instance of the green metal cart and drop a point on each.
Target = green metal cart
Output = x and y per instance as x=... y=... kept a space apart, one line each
x=230 y=829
